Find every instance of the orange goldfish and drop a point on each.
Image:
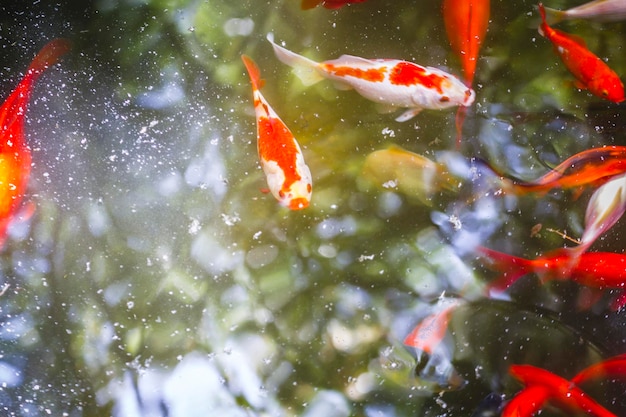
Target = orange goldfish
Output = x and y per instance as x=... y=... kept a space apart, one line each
x=329 y=4
x=15 y=156
x=589 y=167
x=466 y=24
x=590 y=71
x=288 y=176
x=394 y=83
x=532 y=398
x=596 y=270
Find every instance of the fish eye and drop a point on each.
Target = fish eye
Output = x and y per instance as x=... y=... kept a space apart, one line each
x=444 y=99
x=281 y=194
x=605 y=93
x=309 y=188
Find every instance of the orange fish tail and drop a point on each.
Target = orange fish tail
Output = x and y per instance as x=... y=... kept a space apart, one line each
x=49 y=55
x=511 y=266
x=253 y=71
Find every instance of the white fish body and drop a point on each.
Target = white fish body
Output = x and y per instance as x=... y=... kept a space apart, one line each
x=391 y=82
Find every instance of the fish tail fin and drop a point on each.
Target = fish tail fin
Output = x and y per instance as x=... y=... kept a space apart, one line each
x=304 y=68
x=553 y=16
x=253 y=72
x=543 y=28
x=49 y=55
x=513 y=267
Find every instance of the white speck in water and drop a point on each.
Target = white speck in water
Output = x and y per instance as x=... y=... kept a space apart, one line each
x=456 y=222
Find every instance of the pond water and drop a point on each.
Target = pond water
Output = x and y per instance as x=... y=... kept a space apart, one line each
x=157 y=277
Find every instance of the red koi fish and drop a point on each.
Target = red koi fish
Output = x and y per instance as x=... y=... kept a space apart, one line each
x=15 y=155
x=590 y=167
x=590 y=71
x=466 y=24
x=288 y=176
x=596 y=270
x=560 y=390
x=527 y=402
x=394 y=83
x=532 y=398
x=329 y=4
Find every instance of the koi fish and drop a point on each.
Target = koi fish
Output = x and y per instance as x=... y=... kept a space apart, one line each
x=394 y=83
x=612 y=367
x=596 y=270
x=590 y=71
x=288 y=176
x=427 y=338
x=532 y=398
x=429 y=333
x=15 y=155
x=466 y=25
x=412 y=174
x=559 y=389
x=599 y=10
x=606 y=206
x=590 y=167
x=527 y=402
x=329 y=4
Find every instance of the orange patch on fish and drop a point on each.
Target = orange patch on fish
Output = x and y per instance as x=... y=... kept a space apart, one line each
x=372 y=75
x=406 y=73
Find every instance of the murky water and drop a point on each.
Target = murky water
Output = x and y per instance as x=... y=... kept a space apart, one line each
x=157 y=278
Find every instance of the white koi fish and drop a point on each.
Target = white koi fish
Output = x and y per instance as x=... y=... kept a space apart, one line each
x=288 y=176
x=391 y=82
x=599 y=10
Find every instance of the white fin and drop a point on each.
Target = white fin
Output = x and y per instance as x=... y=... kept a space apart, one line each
x=408 y=115
x=304 y=68
x=350 y=61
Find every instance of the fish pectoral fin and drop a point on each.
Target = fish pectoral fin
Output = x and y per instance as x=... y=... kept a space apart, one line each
x=408 y=115
x=579 y=84
x=350 y=61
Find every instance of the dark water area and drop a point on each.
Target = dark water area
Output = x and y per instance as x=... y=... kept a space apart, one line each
x=157 y=277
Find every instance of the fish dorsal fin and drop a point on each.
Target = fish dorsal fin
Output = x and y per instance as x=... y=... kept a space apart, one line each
x=350 y=60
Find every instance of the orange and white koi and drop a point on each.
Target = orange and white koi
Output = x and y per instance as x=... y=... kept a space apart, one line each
x=590 y=71
x=15 y=155
x=599 y=10
x=288 y=176
x=392 y=82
